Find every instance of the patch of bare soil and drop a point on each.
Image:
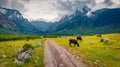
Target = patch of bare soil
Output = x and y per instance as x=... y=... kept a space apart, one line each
x=57 y=56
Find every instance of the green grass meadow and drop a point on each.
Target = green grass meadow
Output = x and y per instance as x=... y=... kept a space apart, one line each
x=94 y=51
x=91 y=49
x=10 y=48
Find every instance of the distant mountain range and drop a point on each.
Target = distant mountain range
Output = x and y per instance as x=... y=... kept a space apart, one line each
x=101 y=21
x=80 y=23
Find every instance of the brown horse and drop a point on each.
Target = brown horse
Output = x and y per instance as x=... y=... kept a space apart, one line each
x=99 y=35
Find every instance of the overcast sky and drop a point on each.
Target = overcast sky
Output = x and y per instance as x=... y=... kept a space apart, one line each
x=53 y=10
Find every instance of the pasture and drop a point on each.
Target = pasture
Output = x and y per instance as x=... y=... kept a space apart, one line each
x=94 y=52
x=10 y=50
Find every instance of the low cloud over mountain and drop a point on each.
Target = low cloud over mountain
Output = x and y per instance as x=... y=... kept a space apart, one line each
x=54 y=10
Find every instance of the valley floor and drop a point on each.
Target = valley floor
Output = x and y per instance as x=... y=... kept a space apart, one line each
x=56 y=52
x=95 y=52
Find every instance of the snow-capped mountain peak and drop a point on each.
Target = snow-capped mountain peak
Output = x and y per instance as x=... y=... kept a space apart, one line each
x=3 y=11
x=89 y=14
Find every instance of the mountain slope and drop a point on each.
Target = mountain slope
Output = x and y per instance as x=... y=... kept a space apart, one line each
x=107 y=20
x=11 y=19
x=5 y=31
x=45 y=27
x=102 y=21
x=105 y=17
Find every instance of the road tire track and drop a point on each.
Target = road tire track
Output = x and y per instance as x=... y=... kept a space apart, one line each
x=57 y=56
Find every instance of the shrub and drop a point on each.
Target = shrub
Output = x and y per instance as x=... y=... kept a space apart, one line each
x=27 y=46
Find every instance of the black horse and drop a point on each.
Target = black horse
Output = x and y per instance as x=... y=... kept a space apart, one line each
x=73 y=41
x=79 y=38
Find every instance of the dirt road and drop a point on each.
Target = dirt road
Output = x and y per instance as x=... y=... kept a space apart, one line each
x=57 y=56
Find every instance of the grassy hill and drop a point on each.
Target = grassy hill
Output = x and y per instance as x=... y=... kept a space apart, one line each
x=5 y=31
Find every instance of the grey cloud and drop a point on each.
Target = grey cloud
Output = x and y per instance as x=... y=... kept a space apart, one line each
x=18 y=5
x=59 y=7
x=4 y=2
x=14 y=4
x=67 y=7
x=25 y=1
x=70 y=6
x=108 y=2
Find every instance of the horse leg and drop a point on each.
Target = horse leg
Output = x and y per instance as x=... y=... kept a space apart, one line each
x=74 y=44
x=70 y=44
x=77 y=44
